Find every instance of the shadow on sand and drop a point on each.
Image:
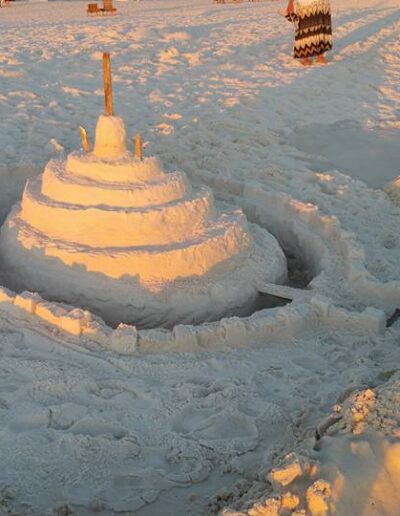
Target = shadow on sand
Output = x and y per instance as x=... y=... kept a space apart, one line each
x=371 y=155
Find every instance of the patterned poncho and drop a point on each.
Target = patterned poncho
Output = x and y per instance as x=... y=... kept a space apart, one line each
x=312 y=20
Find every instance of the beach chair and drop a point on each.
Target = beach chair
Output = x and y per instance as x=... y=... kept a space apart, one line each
x=93 y=9
x=108 y=7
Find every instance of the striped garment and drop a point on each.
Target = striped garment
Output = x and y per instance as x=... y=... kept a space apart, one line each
x=313 y=25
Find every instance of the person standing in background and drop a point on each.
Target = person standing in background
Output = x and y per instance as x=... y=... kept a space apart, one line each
x=313 y=29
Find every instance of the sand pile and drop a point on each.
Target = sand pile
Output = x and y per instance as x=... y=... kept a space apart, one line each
x=114 y=233
x=351 y=467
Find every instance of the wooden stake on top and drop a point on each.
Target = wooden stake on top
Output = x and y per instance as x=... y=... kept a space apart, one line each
x=85 y=139
x=108 y=100
x=138 y=146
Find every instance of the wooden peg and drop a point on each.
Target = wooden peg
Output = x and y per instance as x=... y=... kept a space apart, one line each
x=85 y=139
x=108 y=99
x=138 y=146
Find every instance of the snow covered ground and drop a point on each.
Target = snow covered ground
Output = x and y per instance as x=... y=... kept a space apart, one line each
x=215 y=92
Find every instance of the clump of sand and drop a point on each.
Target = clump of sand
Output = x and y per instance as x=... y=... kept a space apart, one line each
x=351 y=467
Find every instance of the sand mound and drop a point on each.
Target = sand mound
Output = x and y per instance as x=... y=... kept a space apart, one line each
x=351 y=467
x=108 y=231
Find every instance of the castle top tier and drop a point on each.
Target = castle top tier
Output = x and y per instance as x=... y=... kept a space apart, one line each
x=110 y=161
x=110 y=139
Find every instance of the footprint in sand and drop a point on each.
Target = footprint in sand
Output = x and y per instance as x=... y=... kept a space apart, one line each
x=120 y=391
x=227 y=429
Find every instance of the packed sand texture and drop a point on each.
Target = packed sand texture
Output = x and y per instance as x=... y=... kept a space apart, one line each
x=115 y=421
x=351 y=466
x=111 y=232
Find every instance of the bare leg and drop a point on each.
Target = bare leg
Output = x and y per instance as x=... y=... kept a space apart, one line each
x=306 y=61
x=321 y=59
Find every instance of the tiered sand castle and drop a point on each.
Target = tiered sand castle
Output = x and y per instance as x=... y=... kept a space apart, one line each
x=109 y=230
